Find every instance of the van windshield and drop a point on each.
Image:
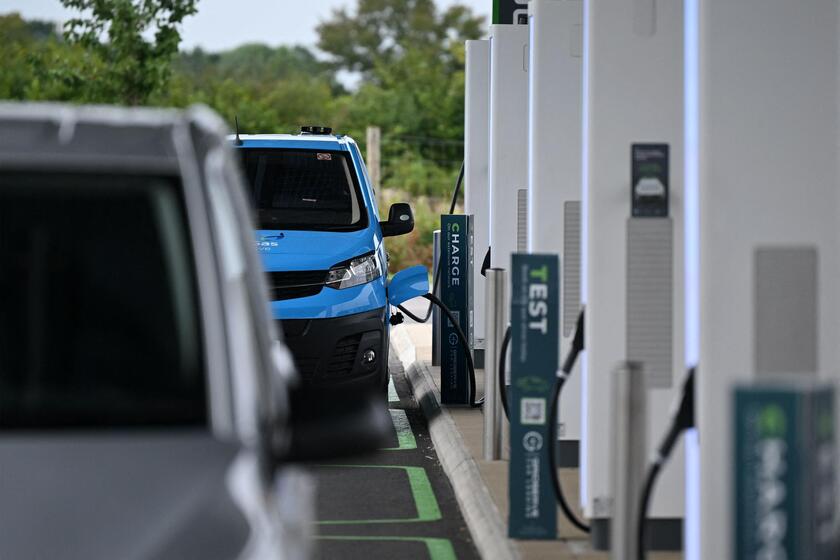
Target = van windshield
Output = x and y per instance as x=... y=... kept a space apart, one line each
x=99 y=323
x=304 y=189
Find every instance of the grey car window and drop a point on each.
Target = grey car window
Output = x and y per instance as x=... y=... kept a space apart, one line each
x=99 y=324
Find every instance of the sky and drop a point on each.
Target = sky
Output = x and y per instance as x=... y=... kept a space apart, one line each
x=222 y=24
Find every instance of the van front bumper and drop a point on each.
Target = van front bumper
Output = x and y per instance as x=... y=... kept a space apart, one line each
x=337 y=351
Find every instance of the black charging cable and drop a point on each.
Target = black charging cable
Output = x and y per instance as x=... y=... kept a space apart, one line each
x=503 y=372
x=563 y=375
x=436 y=275
x=683 y=419
x=433 y=299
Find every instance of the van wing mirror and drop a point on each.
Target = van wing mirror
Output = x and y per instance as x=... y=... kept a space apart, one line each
x=408 y=284
x=335 y=423
x=400 y=220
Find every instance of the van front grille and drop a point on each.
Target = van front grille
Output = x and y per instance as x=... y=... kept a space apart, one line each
x=296 y=284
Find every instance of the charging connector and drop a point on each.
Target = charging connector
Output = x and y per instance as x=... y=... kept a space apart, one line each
x=683 y=419
x=503 y=396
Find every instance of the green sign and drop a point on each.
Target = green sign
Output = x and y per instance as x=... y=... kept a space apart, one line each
x=456 y=293
x=510 y=11
x=784 y=465
x=533 y=371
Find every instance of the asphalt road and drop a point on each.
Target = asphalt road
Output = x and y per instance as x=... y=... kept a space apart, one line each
x=394 y=504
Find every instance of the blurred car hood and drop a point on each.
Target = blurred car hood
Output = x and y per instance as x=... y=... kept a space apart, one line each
x=138 y=496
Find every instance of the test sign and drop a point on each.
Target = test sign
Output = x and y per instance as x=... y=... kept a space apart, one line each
x=533 y=371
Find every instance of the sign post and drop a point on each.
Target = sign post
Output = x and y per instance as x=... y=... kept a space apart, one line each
x=533 y=368
x=456 y=293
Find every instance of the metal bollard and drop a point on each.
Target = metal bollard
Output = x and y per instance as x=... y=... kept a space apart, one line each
x=435 y=310
x=630 y=454
x=496 y=318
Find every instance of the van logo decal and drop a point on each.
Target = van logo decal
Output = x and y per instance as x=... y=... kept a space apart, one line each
x=268 y=242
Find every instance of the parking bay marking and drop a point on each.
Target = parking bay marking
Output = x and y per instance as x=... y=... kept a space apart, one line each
x=421 y=491
x=405 y=437
x=439 y=549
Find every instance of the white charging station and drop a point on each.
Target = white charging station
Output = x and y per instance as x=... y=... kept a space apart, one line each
x=633 y=241
x=554 y=174
x=508 y=141
x=762 y=202
x=476 y=170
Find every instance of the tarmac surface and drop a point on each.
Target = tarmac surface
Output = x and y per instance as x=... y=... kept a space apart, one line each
x=394 y=504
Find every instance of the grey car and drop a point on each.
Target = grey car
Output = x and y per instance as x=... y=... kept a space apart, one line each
x=146 y=401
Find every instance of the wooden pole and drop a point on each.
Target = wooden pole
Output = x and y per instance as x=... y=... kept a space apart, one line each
x=374 y=158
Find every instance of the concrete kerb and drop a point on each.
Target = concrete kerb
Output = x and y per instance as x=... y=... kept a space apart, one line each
x=483 y=519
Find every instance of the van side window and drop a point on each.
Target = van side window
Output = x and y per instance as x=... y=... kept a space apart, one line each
x=99 y=323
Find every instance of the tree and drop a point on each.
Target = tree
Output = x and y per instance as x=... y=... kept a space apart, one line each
x=135 y=39
x=380 y=32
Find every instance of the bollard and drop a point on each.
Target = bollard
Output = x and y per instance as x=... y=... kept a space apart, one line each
x=496 y=297
x=629 y=456
x=435 y=310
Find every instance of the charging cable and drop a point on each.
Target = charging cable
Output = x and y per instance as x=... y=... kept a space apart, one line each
x=683 y=419
x=503 y=373
x=562 y=376
x=433 y=299
x=436 y=276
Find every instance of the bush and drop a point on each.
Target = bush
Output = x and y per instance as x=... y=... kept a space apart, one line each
x=415 y=248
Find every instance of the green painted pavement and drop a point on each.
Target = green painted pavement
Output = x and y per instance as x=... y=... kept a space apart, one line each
x=439 y=549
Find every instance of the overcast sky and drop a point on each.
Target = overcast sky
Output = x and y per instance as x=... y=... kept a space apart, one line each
x=221 y=24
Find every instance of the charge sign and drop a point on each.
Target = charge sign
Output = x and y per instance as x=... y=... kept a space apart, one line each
x=533 y=372
x=456 y=293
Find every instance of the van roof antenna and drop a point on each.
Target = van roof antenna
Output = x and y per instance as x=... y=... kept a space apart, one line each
x=238 y=141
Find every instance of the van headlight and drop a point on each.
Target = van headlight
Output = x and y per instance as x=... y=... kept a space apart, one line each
x=360 y=270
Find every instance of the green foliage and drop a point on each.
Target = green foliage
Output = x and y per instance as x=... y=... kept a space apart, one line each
x=116 y=32
x=380 y=32
x=408 y=57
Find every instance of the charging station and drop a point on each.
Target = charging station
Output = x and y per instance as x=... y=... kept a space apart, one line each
x=476 y=178
x=508 y=167
x=762 y=214
x=554 y=178
x=633 y=242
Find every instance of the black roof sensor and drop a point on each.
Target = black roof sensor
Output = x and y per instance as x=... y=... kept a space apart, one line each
x=321 y=130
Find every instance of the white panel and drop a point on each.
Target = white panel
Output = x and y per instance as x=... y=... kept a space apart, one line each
x=508 y=135
x=768 y=178
x=476 y=178
x=634 y=94
x=554 y=160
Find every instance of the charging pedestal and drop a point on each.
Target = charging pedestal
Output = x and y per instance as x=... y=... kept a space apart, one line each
x=762 y=209
x=456 y=293
x=476 y=178
x=534 y=319
x=554 y=187
x=508 y=141
x=633 y=269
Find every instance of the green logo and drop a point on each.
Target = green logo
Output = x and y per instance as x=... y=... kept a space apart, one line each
x=772 y=422
x=825 y=425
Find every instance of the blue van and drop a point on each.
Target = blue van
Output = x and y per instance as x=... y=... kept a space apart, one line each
x=321 y=243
